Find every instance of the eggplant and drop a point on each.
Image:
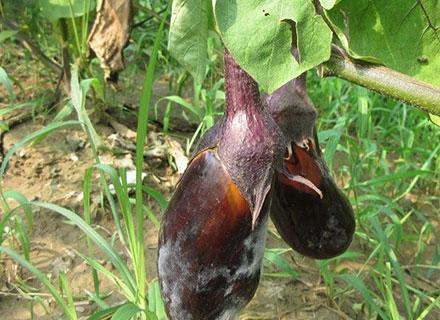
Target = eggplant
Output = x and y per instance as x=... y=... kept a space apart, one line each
x=212 y=237
x=310 y=212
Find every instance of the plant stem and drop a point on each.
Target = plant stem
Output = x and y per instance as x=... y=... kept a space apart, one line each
x=241 y=90
x=383 y=80
x=142 y=127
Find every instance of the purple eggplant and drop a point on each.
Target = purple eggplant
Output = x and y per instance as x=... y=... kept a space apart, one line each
x=309 y=211
x=212 y=237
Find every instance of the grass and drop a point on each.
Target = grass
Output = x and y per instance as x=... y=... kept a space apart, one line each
x=384 y=156
x=132 y=286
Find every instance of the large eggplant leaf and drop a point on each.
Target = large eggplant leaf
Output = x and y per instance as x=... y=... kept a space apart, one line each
x=404 y=35
x=190 y=21
x=56 y=9
x=257 y=33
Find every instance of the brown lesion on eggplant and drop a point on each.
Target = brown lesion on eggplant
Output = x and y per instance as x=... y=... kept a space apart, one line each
x=209 y=258
x=318 y=228
x=249 y=142
x=302 y=162
x=317 y=224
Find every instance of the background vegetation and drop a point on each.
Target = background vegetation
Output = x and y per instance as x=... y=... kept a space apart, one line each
x=383 y=153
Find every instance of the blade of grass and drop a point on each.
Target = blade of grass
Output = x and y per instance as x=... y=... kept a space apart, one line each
x=157 y=195
x=391 y=177
x=123 y=288
x=111 y=254
x=392 y=307
x=106 y=313
x=67 y=292
x=4 y=79
x=425 y=313
x=155 y=302
x=280 y=262
x=144 y=104
x=43 y=279
x=126 y=312
x=23 y=237
x=359 y=285
x=88 y=220
x=24 y=204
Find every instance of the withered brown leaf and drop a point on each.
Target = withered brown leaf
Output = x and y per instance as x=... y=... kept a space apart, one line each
x=110 y=34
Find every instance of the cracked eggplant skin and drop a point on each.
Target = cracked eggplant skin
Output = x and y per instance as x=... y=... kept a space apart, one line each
x=319 y=228
x=210 y=235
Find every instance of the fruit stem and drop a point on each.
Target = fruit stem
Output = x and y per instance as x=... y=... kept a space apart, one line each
x=241 y=90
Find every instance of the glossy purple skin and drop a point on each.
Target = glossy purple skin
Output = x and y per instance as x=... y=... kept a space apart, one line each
x=212 y=237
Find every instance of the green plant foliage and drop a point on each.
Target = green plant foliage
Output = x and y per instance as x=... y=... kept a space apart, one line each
x=435 y=119
x=68 y=311
x=403 y=35
x=189 y=34
x=328 y=4
x=56 y=9
x=78 y=96
x=6 y=82
x=4 y=35
x=258 y=35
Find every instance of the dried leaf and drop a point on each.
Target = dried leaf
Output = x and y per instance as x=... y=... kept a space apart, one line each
x=110 y=34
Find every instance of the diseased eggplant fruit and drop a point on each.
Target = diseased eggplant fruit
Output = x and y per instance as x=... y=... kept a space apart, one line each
x=212 y=237
x=314 y=217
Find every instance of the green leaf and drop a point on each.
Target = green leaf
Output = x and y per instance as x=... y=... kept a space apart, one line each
x=403 y=35
x=43 y=279
x=126 y=312
x=4 y=79
x=24 y=204
x=258 y=35
x=56 y=9
x=392 y=177
x=359 y=285
x=155 y=303
x=106 y=313
x=4 y=35
x=157 y=195
x=328 y=4
x=434 y=119
x=99 y=241
x=78 y=99
x=189 y=34
x=3 y=126
x=278 y=260
x=67 y=292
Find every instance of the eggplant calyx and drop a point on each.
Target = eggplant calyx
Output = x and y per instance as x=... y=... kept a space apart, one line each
x=305 y=144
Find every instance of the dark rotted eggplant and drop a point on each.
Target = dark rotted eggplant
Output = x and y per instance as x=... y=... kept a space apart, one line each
x=212 y=237
x=314 y=217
